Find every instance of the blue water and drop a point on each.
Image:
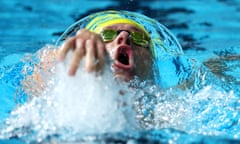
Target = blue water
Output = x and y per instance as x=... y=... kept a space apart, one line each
x=207 y=30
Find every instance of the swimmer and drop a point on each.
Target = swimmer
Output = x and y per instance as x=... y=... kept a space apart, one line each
x=132 y=44
x=123 y=40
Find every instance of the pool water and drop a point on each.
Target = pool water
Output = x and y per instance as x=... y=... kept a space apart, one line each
x=207 y=31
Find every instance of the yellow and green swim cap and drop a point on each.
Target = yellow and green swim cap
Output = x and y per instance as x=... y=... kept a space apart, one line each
x=162 y=41
x=98 y=23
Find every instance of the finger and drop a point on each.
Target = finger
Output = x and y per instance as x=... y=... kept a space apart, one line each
x=90 y=56
x=100 y=54
x=76 y=57
x=69 y=44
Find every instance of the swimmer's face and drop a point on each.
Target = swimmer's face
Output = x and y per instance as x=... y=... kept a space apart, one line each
x=128 y=58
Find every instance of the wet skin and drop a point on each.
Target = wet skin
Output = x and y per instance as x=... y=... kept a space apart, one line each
x=127 y=58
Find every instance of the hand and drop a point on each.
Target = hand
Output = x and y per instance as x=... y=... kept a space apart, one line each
x=84 y=43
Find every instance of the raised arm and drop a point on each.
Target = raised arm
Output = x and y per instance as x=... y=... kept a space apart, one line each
x=84 y=43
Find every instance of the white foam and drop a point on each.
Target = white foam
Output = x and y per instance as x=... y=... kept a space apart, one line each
x=85 y=104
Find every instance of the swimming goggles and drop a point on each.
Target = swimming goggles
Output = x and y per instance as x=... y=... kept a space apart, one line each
x=137 y=38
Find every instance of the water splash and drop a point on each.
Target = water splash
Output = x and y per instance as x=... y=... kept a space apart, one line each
x=85 y=104
x=87 y=107
x=210 y=111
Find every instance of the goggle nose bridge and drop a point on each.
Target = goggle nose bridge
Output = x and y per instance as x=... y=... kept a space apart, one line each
x=119 y=31
x=129 y=35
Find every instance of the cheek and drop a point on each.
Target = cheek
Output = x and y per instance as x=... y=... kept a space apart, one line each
x=142 y=56
x=143 y=62
x=143 y=65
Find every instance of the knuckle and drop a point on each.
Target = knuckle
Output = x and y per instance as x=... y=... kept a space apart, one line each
x=79 y=42
x=93 y=36
x=68 y=40
x=90 y=43
x=81 y=31
x=77 y=51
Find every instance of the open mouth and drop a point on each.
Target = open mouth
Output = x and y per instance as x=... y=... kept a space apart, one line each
x=124 y=58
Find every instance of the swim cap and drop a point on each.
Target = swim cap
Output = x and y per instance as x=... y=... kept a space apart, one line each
x=98 y=23
x=162 y=41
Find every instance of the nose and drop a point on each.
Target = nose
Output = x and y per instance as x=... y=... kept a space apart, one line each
x=123 y=38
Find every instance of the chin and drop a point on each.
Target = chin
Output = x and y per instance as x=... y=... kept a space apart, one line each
x=122 y=77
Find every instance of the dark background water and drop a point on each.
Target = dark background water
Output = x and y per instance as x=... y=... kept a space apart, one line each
x=204 y=28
